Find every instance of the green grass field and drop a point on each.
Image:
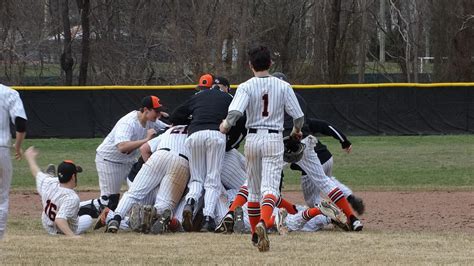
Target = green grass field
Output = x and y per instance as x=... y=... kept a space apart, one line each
x=376 y=163
x=386 y=162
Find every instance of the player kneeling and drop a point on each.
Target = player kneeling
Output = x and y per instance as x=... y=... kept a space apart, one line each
x=60 y=202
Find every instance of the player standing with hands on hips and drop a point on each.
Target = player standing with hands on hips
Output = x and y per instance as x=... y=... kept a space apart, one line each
x=11 y=109
x=264 y=98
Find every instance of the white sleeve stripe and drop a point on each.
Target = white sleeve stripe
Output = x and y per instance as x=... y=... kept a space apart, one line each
x=337 y=133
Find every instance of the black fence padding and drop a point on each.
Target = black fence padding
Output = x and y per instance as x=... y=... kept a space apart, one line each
x=365 y=111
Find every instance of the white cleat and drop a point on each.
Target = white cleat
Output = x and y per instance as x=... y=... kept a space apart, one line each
x=330 y=210
x=280 y=221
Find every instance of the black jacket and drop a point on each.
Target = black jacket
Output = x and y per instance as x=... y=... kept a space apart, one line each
x=207 y=110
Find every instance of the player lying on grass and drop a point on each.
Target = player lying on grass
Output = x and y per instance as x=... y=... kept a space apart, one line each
x=60 y=201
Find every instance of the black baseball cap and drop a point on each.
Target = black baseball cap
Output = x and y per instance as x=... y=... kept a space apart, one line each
x=151 y=102
x=222 y=81
x=66 y=169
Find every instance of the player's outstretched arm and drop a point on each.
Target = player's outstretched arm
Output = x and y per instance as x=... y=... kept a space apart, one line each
x=130 y=146
x=63 y=225
x=323 y=127
x=30 y=155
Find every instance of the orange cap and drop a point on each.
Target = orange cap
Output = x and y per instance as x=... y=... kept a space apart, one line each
x=206 y=81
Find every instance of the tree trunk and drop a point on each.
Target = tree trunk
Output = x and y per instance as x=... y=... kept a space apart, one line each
x=84 y=9
x=362 y=43
x=382 y=30
x=66 y=57
x=334 y=22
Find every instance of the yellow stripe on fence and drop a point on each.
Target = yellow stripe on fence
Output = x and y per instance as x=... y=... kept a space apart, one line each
x=322 y=86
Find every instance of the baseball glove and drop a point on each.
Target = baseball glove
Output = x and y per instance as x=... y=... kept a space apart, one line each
x=293 y=150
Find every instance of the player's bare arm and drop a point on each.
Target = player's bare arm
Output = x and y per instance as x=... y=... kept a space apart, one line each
x=20 y=126
x=130 y=146
x=63 y=225
x=30 y=155
x=145 y=151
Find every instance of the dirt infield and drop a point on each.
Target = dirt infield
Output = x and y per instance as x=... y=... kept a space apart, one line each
x=430 y=211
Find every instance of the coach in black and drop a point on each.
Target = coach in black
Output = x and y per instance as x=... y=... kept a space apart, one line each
x=207 y=145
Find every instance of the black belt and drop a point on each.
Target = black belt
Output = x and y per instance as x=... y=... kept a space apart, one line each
x=254 y=130
x=180 y=155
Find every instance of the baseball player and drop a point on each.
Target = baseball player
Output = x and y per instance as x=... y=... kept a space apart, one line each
x=310 y=191
x=119 y=151
x=11 y=109
x=167 y=171
x=265 y=99
x=311 y=165
x=60 y=201
x=206 y=146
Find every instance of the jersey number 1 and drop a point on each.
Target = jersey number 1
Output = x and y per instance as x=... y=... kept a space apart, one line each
x=265 y=105
x=50 y=210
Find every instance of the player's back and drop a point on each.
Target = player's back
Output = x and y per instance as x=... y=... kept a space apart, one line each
x=7 y=100
x=57 y=201
x=173 y=139
x=268 y=99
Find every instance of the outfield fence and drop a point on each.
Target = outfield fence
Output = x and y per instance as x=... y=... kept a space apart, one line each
x=357 y=109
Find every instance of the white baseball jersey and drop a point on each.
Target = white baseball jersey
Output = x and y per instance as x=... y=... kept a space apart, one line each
x=58 y=202
x=114 y=166
x=10 y=108
x=263 y=99
x=165 y=173
x=128 y=128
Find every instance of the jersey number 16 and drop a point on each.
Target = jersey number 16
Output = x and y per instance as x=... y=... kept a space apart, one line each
x=50 y=210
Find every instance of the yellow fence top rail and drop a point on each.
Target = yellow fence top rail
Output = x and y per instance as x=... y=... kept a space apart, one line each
x=322 y=86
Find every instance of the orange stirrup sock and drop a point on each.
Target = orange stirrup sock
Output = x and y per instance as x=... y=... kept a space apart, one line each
x=338 y=198
x=310 y=213
x=268 y=204
x=240 y=198
x=254 y=214
x=290 y=207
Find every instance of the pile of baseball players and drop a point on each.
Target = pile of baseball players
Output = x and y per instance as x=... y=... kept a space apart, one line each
x=187 y=175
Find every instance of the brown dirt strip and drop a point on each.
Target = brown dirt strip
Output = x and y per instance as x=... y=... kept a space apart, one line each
x=427 y=211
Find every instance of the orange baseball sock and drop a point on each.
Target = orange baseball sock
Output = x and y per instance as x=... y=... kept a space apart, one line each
x=310 y=213
x=338 y=198
x=268 y=204
x=290 y=207
x=240 y=198
x=254 y=214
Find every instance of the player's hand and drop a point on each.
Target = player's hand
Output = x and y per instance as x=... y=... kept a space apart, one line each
x=223 y=127
x=31 y=153
x=348 y=149
x=297 y=135
x=150 y=133
x=18 y=151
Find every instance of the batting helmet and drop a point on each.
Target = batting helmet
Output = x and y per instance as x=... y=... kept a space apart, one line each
x=293 y=150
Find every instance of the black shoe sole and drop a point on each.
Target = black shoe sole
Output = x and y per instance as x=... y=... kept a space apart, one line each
x=187 y=220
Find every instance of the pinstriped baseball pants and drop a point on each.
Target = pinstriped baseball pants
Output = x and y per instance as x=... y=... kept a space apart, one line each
x=207 y=148
x=233 y=170
x=162 y=165
x=5 y=181
x=111 y=175
x=264 y=154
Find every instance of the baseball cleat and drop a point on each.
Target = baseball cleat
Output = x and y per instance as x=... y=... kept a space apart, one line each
x=161 y=225
x=356 y=224
x=263 y=243
x=188 y=218
x=226 y=225
x=238 y=223
x=255 y=239
x=51 y=169
x=208 y=224
x=280 y=221
x=136 y=217
x=149 y=213
x=101 y=220
x=332 y=211
x=112 y=226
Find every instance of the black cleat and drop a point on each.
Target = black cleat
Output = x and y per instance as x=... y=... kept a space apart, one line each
x=208 y=224
x=227 y=224
x=188 y=218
